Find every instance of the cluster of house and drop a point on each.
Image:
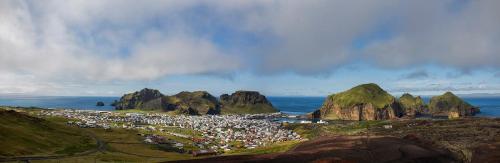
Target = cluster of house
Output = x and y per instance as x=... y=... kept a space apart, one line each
x=226 y=130
x=218 y=132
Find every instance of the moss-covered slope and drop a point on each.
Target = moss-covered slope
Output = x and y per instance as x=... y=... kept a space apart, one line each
x=195 y=103
x=451 y=105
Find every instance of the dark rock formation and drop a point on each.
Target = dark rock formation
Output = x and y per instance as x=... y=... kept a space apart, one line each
x=137 y=99
x=100 y=103
x=363 y=102
x=451 y=105
x=412 y=106
x=246 y=102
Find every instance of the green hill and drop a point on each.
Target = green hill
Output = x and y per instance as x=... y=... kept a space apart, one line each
x=22 y=135
x=363 y=94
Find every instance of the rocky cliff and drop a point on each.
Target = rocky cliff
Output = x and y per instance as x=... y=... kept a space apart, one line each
x=245 y=102
x=363 y=102
x=412 y=106
x=451 y=105
x=137 y=99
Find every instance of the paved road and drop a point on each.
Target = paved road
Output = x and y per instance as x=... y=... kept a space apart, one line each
x=101 y=147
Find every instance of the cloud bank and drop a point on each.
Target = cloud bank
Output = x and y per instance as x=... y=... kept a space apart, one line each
x=130 y=40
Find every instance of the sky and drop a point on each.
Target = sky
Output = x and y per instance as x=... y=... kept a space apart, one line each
x=280 y=48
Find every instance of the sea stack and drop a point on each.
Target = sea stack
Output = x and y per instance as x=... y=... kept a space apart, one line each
x=246 y=102
x=451 y=105
x=363 y=102
x=100 y=103
x=412 y=106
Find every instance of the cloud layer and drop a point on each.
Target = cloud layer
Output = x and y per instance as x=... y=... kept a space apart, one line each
x=125 y=40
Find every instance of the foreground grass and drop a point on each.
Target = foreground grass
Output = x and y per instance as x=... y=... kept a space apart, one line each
x=123 y=146
x=23 y=135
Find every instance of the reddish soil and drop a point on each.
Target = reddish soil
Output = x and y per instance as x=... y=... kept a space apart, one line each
x=347 y=149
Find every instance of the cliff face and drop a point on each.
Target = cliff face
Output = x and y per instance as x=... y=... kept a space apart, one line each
x=363 y=102
x=137 y=99
x=451 y=105
x=412 y=106
x=245 y=102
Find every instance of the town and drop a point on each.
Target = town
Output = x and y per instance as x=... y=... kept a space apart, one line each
x=216 y=132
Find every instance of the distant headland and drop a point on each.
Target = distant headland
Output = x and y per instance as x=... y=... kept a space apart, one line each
x=196 y=103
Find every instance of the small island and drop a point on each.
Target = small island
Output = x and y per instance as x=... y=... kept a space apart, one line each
x=100 y=103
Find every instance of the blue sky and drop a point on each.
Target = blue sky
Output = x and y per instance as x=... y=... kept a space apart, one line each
x=280 y=48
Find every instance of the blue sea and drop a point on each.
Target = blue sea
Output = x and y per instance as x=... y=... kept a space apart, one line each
x=490 y=106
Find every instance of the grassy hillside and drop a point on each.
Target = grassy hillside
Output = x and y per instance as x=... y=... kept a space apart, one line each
x=22 y=135
x=363 y=94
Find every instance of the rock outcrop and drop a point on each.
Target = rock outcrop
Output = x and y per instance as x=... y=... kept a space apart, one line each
x=137 y=99
x=363 y=102
x=451 y=106
x=412 y=106
x=245 y=102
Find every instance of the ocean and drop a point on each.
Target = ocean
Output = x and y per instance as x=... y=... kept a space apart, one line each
x=490 y=106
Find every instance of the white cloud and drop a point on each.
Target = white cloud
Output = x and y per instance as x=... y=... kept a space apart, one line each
x=431 y=32
x=59 y=40
x=54 y=41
